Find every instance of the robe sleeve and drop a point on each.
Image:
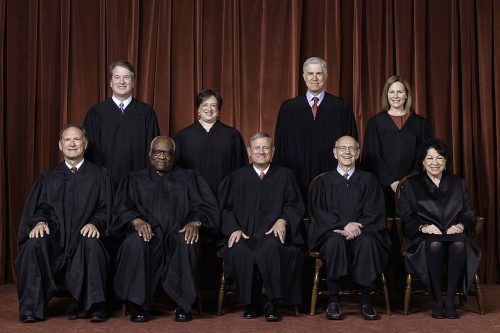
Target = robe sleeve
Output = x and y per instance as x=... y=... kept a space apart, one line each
x=124 y=207
x=240 y=157
x=36 y=209
x=202 y=203
x=92 y=127
x=407 y=210
x=373 y=211
x=323 y=219
x=104 y=206
x=372 y=160
x=229 y=222
x=152 y=131
x=293 y=210
x=466 y=216
x=280 y=137
x=349 y=122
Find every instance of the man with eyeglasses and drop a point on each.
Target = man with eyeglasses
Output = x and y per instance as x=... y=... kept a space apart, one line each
x=161 y=212
x=347 y=213
x=261 y=210
x=60 y=235
x=120 y=128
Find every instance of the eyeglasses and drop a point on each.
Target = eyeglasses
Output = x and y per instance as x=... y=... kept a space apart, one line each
x=347 y=148
x=158 y=153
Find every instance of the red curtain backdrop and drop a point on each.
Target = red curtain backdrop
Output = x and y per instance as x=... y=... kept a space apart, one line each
x=55 y=53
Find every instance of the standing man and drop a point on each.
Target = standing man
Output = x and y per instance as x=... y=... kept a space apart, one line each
x=60 y=246
x=261 y=210
x=309 y=124
x=161 y=212
x=120 y=128
x=347 y=212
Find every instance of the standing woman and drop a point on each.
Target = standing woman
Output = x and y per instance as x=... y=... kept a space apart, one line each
x=438 y=221
x=212 y=148
x=392 y=138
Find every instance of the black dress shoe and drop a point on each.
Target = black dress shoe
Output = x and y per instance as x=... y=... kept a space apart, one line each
x=27 y=319
x=271 y=313
x=450 y=312
x=98 y=313
x=183 y=316
x=437 y=312
x=251 y=312
x=73 y=311
x=369 y=312
x=333 y=311
x=137 y=313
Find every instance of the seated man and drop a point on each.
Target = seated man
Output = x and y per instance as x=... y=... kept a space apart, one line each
x=261 y=208
x=347 y=213
x=159 y=211
x=60 y=249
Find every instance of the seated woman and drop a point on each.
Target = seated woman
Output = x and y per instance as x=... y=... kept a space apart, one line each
x=438 y=221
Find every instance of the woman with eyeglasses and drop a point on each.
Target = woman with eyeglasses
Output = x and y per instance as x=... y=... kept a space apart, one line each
x=392 y=138
x=438 y=222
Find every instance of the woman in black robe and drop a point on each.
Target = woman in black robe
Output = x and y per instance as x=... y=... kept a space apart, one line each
x=392 y=138
x=438 y=221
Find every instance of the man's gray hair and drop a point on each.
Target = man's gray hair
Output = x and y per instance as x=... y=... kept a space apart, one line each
x=259 y=135
x=315 y=61
x=162 y=137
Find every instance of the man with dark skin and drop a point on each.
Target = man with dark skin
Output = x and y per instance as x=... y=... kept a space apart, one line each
x=160 y=211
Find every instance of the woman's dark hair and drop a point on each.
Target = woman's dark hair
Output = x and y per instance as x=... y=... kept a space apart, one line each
x=206 y=94
x=435 y=143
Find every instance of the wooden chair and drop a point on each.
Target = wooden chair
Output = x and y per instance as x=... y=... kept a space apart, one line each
x=478 y=228
x=318 y=263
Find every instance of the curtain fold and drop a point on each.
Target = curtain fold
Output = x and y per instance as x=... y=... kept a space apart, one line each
x=55 y=54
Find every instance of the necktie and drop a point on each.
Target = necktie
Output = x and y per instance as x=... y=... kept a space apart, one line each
x=315 y=106
x=346 y=176
x=262 y=174
x=121 y=107
x=74 y=170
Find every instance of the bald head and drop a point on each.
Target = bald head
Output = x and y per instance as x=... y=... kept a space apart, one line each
x=346 y=151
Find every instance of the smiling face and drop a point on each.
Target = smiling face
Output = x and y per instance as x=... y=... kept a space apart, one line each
x=208 y=111
x=346 y=151
x=122 y=82
x=434 y=163
x=261 y=152
x=161 y=155
x=72 y=144
x=396 y=96
x=315 y=77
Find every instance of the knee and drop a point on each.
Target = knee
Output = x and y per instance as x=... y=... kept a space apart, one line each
x=435 y=247
x=335 y=242
x=457 y=248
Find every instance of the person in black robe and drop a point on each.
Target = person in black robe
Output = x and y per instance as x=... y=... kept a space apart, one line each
x=261 y=209
x=308 y=126
x=60 y=248
x=120 y=128
x=392 y=138
x=209 y=146
x=346 y=206
x=161 y=212
x=438 y=222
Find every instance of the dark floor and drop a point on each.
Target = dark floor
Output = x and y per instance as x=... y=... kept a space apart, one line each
x=419 y=319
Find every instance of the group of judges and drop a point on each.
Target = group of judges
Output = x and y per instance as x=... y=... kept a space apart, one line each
x=142 y=208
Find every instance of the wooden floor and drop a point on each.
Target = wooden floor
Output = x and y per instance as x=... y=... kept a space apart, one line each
x=419 y=319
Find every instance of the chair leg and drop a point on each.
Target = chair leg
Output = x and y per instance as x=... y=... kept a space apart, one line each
x=386 y=295
x=314 y=295
x=222 y=291
x=407 y=294
x=479 y=295
x=124 y=310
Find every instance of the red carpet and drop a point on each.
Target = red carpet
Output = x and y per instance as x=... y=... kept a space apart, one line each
x=418 y=320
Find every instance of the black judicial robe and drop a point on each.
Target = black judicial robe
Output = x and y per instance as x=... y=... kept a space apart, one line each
x=306 y=145
x=253 y=205
x=389 y=152
x=333 y=203
x=167 y=202
x=120 y=142
x=64 y=260
x=422 y=202
x=214 y=154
